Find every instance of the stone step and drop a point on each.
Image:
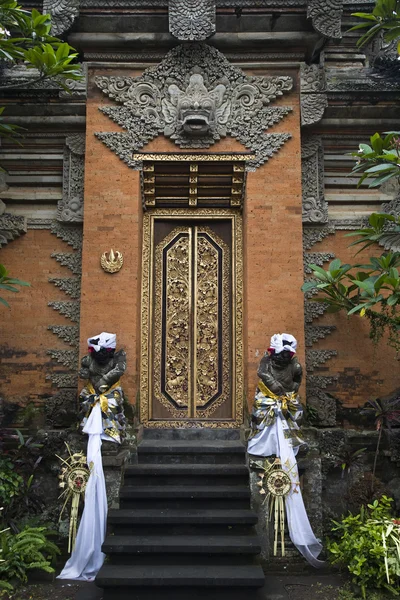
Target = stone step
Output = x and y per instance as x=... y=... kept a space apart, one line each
x=181 y=544
x=190 y=516
x=174 y=522
x=201 y=433
x=185 y=496
x=200 y=474
x=211 y=577
x=191 y=452
x=184 y=593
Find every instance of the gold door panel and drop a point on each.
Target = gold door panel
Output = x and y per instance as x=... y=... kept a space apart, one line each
x=191 y=367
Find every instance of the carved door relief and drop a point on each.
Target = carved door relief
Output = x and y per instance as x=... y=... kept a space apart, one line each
x=192 y=319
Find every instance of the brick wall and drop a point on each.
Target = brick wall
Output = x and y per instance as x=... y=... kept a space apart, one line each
x=25 y=337
x=364 y=371
x=273 y=248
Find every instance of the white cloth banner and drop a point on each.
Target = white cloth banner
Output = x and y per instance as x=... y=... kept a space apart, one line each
x=271 y=440
x=87 y=558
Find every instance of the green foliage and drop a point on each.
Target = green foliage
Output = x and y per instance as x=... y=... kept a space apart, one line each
x=372 y=289
x=345 y=593
x=20 y=459
x=379 y=161
x=349 y=458
x=8 y=283
x=385 y=18
x=26 y=550
x=11 y=483
x=25 y=38
x=368 y=545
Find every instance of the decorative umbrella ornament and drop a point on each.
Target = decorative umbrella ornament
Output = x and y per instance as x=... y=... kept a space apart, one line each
x=73 y=480
x=275 y=483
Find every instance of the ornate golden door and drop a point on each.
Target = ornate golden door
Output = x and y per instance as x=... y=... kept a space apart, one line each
x=192 y=361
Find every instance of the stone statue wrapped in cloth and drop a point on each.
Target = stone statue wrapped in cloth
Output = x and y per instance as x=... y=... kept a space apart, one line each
x=103 y=419
x=275 y=433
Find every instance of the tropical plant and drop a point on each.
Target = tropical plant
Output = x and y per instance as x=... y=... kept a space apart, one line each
x=8 y=284
x=373 y=292
x=19 y=492
x=386 y=414
x=25 y=39
x=379 y=161
x=368 y=546
x=11 y=483
x=21 y=552
x=349 y=458
x=384 y=18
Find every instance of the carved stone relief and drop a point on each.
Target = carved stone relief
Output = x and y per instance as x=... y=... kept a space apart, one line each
x=61 y=409
x=195 y=97
x=313 y=310
x=11 y=227
x=317 y=332
x=70 y=308
x=391 y=239
x=316 y=358
x=312 y=235
x=313 y=98
x=326 y=17
x=317 y=398
x=192 y=20
x=70 y=208
x=63 y=14
x=324 y=404
x=315 y=208
x=316 y=258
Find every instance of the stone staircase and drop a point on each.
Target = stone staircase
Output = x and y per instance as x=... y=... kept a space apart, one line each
x=184 y=529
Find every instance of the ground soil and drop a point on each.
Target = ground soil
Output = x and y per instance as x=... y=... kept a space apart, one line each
x=278 y=588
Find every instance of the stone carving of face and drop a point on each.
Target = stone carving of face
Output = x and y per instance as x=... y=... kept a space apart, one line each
x=196 y=110
x=281 y=359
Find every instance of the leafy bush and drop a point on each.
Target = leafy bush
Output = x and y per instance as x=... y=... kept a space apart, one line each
x=368 y=545
x=11 y=483
x=19 y=494
x=23 y=551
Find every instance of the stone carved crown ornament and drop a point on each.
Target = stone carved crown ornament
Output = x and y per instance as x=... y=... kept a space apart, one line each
x=195 y=96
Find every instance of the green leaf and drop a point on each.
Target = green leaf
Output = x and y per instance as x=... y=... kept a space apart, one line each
x=379 y=168
x=308 y=286
x=335 y=264
x=356 y=309
x=393 y=300
x=2 y=301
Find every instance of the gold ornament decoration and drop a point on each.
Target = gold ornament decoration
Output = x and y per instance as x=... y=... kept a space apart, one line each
x=275 y=484
x=113 y=263
x=73 y=480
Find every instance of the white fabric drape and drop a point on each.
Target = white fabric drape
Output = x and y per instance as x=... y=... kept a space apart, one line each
x=87 y=557
x=271 y=440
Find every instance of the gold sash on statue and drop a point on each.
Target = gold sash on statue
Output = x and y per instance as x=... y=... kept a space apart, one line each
x=102 y=398
x=288 y=401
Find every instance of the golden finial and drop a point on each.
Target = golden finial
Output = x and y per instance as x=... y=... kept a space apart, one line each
x=113 y=263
